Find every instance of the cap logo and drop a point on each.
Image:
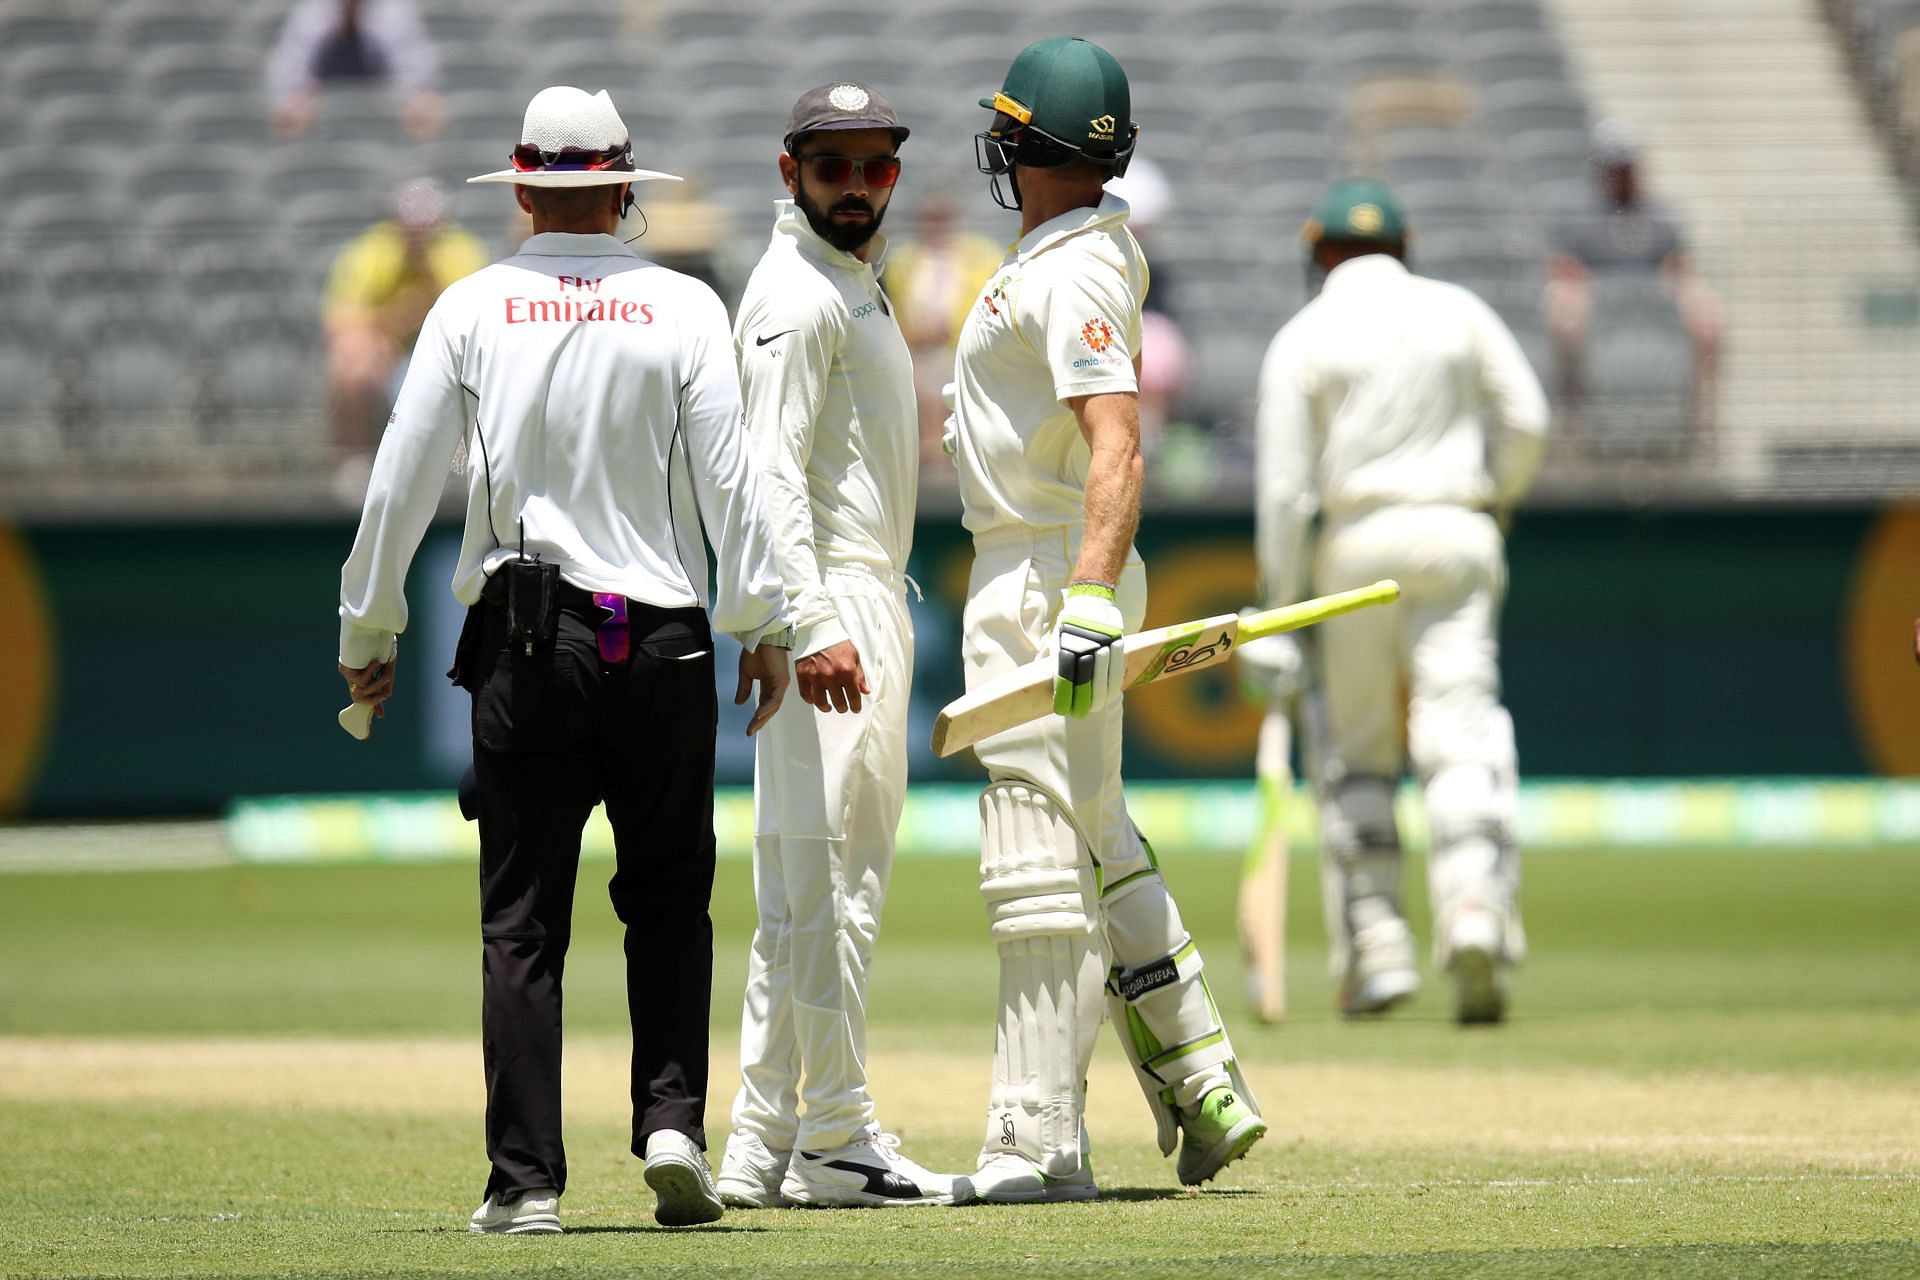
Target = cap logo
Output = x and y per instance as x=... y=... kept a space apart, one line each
x=848 y=97
x=1366 y=219
x=1101 y=129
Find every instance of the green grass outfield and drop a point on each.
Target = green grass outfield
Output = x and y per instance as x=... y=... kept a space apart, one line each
x=1713 y=1070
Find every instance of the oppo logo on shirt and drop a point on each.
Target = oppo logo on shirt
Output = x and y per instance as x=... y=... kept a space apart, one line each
x=576 y=310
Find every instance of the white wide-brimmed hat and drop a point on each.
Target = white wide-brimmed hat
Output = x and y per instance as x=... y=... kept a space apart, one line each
x=572 y=138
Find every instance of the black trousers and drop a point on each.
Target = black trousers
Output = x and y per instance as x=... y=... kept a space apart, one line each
x=554 y=732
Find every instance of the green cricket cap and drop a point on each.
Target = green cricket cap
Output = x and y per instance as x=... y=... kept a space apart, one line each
x=1357 y=209
x=1072 y=90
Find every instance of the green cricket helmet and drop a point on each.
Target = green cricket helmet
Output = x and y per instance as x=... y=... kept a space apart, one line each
x=1357 y=211
x=1063 y=99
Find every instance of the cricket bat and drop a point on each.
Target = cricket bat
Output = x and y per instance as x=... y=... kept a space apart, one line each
x=1026 y=693
x=1262 y=910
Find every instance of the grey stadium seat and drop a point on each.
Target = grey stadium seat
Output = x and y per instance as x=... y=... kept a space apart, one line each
x=45 y=75
x=53 y=173
x=46 y=224
x=1471 y=18
x=174 y=72
x=121 y=121
x=190 y=221
x=1242 y=20
x=312 y=165
x=1638 y=371
x=23 y=28
x=1506 y=56
x=137 y=26
x=1261 y=108
x=181 y=169
x=236 y=119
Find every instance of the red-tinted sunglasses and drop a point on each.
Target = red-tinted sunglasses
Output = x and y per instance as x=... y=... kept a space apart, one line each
x=528 y=158
x=834 y=171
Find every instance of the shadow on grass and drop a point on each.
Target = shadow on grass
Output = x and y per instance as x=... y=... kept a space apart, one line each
x=637 y=1229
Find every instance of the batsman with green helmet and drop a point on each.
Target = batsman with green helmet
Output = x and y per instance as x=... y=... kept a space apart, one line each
x=1047 y=440
x=1401 y=412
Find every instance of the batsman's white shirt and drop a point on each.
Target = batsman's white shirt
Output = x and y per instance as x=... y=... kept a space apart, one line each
x=597 y=396
x=1059 y=319
x=830 y=407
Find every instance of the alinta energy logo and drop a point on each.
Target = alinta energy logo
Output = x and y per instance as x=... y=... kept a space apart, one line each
x=1097 y=334
x=1101 y=129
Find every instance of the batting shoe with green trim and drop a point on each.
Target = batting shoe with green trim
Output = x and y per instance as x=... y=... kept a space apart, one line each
x=1221 y=1130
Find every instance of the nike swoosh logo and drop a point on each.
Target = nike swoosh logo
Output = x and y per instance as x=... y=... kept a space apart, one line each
x=761 y=342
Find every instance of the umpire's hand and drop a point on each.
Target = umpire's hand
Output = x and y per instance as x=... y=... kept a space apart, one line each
x=371 y=683
x=768 y=665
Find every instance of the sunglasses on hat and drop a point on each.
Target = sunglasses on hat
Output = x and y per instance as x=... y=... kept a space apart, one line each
x=528 y=158
x=833 y=171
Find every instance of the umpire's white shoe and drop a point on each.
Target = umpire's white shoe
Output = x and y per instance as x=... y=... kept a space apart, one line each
x=528 y=1213
x=677 y=1171
x=868 y=1172
x=750 y=1173
x=1381 y=974
x=1476 y=958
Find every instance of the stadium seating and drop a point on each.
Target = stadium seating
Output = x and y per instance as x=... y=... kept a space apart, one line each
x=1250 y=106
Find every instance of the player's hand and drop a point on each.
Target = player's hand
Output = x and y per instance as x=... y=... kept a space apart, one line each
x=1271 y=668
x=1086 y=642
x=832 y=679
x=372 y=683
x=766 y=664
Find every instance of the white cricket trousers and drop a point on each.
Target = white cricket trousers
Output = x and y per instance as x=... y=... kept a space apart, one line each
x=827 y=794
x=1440 y=644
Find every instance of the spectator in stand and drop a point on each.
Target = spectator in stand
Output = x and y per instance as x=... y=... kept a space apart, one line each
x=1618 y=233
x=336 y=42
x=934 y=280
x=382 y=285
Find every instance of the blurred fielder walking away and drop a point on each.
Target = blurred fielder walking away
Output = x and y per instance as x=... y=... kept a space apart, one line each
x=829 y=394
x=1401 y=411
x=1047 y=438
x=598 y=400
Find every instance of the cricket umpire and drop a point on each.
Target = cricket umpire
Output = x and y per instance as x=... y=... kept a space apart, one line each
x=1402 y=413
x=1047 y=440
x=597 y=398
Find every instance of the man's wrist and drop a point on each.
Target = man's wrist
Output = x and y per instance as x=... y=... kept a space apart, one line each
x=1091 y=587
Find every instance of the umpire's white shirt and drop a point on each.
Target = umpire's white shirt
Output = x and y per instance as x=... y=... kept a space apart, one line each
x=828 y=384
x=1059 y=319
x=1389 y=389
x=597 y=396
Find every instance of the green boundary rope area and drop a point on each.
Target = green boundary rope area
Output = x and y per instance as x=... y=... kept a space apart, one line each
x=941 y=820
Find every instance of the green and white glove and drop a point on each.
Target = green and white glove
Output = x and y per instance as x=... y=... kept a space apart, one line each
x=1086 y=642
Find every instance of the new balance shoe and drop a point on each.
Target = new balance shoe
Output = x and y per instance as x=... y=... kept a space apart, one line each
x=1477 y=963
x=677 y=1171
x=750 y=1173
x=528 y=1213
x=1222 y=1129
x=869 y=1172
x=1381 y=974
x=1010 y=1178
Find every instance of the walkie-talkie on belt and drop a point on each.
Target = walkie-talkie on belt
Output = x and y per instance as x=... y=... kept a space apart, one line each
x=533 y=598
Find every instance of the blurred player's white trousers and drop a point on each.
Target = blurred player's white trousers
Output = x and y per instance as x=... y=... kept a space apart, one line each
x=1440 y=645
x=828 y=790
x=1018 y=582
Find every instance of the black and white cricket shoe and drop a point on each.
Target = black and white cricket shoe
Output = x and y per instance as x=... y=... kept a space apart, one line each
x=868 y=1173
x=534 y=1212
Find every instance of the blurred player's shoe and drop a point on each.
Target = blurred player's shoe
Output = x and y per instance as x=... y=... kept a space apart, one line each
x=750 y=1173
x=529 y=1212
x=677 y=1171
x=1222 y=1129
x=1381 y=973
x=1477 y=961
x=1009 y=1178
x=868 y=1172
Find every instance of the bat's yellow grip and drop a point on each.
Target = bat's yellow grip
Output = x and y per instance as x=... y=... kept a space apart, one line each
x=1271 y=622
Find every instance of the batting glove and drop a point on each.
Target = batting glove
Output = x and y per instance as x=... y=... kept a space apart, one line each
x=1086 y=642
x=1270 y=668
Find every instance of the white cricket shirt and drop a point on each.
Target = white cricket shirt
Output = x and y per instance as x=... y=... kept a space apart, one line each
x=1059 y=319
x=1389 y=389
x=828 y=385
x=598 y=400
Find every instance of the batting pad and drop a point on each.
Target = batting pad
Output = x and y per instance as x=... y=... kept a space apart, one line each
x=1359 y=861
x=1161 y=1005
x=1040 y=888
